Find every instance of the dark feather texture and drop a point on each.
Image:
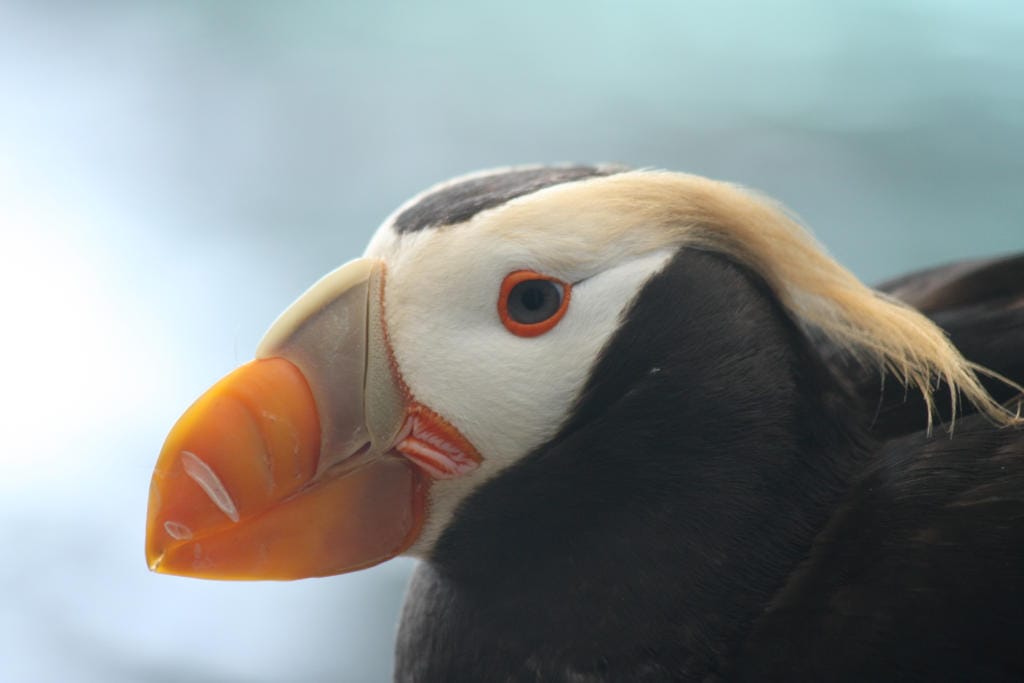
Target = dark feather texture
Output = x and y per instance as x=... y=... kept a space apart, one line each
x=980 y=305
x=918 y=576
x=460 y=201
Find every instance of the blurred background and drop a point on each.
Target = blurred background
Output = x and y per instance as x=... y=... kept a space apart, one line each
x=173 y=174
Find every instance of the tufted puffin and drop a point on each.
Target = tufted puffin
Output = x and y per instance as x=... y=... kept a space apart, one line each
x=637 y=426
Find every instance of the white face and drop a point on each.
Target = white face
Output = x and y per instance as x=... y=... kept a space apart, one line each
x=506 y=393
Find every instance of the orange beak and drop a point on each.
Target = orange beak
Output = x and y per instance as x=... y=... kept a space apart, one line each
x=313 y=460
x=234 y=494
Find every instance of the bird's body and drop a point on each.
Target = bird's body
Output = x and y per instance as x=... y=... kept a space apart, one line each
x=635 y=427
x=762 y=531
x=980 y=305
x=917 y=575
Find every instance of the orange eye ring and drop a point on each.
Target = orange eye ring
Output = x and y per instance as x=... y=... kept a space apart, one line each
x=513 y=284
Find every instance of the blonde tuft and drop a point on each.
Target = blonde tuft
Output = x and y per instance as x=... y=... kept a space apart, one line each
x=868 y=324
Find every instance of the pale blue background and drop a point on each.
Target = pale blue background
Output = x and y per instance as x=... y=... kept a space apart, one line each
x=172 y=174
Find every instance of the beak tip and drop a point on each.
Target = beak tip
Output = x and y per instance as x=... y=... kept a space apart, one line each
x=154 y=560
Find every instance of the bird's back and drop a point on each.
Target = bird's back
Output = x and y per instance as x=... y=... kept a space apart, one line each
x=918 y=576
x=980 y=305
x=920 y=573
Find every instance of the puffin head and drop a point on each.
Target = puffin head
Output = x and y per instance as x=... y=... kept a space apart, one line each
x=403 y=382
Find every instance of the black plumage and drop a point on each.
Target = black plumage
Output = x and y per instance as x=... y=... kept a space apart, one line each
x=979 y=305
x=459 y=201
x=730 y=501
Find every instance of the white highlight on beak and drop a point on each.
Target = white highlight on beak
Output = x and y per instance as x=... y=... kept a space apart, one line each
x=208 y=481
x=177 y=530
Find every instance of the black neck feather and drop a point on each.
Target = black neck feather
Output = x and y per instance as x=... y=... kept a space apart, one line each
x=641 y=542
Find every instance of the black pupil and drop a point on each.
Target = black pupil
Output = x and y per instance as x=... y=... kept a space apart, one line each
x=534 y=301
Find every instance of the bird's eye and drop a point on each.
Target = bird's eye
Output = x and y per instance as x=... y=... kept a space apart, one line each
x=530 y=304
